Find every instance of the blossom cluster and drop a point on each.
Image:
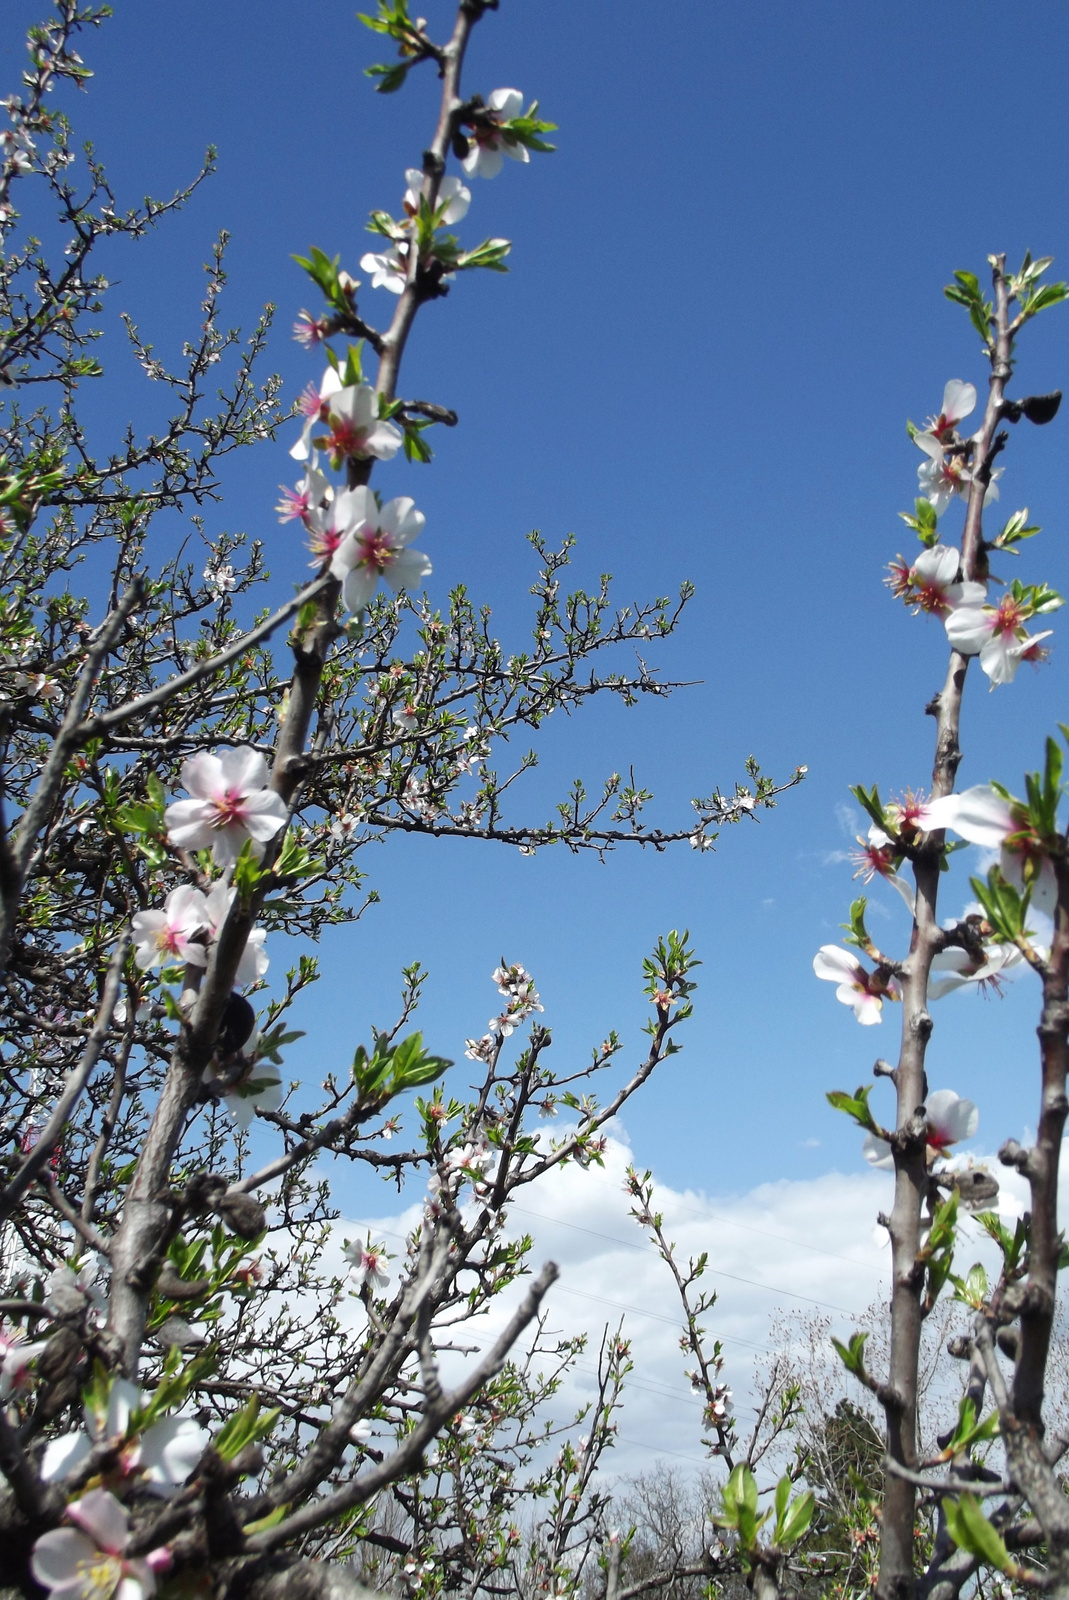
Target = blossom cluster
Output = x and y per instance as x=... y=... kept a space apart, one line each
x=996 y=631
x=345 y=419
x=521 y=1001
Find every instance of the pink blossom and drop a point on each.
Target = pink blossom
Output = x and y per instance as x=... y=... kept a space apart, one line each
x=232 y=803
x=254 y=958
x=950 y=1119
x=368 y=1263
x=864 y=991
x=88 y=1561
x=164 y=938
x=351 y=417
x=376 y=546
x=16 y=1357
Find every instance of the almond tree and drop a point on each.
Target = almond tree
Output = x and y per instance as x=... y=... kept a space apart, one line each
x=934 y=1534
x=179 y=786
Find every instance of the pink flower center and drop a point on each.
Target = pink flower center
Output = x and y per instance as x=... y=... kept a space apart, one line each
x=324 y=542
x=345 y=438
x=229 y=808
x=1008 y=618
x=375 y=550
x=309 y=403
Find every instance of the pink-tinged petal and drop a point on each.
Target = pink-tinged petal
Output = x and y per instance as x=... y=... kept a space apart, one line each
x=263 y=814
x=202 y=775
x=58 y=1554
x=999 y=660
x=959 y=400
x=939 y=988
x=868 y=1008
x=101 y=1516
x=969 y=629
x=899 y=884
x=219 y=900
x=967 y=594
x=254 y=959
x=243 y=768
x=950 y=1117
x=409 y=570
x=189 y=824
x=187 y=909
x=62 y=1455
x=359 y=586
x=877 y=1151
x=953 y=959
x=170 y=1450
x=835 y=964
x=483 y=160
x=400 y=519
x=979 y=815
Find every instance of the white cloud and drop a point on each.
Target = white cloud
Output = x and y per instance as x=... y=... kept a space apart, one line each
x=793 y=1248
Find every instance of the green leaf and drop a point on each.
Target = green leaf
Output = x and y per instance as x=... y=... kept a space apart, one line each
x=855 y=1105
x=852 y=1355
x=795 y=1524
x=971 y=1531
x=245 y=1427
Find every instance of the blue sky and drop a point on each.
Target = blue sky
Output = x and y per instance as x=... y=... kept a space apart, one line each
x=725 y=299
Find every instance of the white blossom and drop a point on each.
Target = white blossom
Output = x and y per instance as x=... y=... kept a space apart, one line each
x=161 y=1457
x=232 y=803
x=162 y=938
x=950 y=1119
x=367 y=1264
x=487 y=145
x=864 y=991
x=376 y=546
x=88 y=1561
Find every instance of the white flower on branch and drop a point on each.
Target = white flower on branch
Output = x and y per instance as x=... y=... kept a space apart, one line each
x=930 y=583
x=959 y=401
x=489 y=144
x=254 y=958
x=858 y=988
x=950 y=1119
x=454 y=198
x=163 y=938
x=351 y=415
x=368 y=1265
x=962 y=968
x=474 y=1161
x=312 y=493
x=388 y=270
x=88 y=1561
x=221 y=578
x=990 y=820
x=259 y=1088
x=376 y=545
x=995 y=633
x=160 y=1458
x=232 y=803
x=945 y=476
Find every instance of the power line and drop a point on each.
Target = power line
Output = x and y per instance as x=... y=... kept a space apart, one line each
x=631 y=1244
